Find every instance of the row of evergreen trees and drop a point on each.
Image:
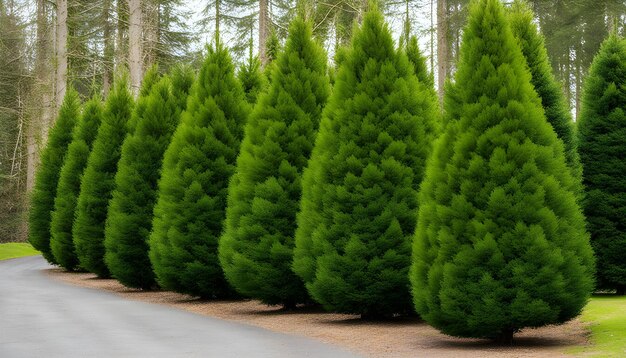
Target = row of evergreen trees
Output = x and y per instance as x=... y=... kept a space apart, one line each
x=362 y=197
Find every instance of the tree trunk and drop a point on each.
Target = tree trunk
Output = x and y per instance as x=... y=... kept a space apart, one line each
x=217 y=21
x=263 y=31
x=442 y=47
x=150 y=28
x=432 y=38
x=121 y=47
x=61 y=51
x=134 y=45
x=109 y=50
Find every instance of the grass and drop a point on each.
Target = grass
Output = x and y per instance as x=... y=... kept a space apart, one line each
x=606 y=316
x=12 y=250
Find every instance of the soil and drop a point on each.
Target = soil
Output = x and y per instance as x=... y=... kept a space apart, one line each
x=401 y=337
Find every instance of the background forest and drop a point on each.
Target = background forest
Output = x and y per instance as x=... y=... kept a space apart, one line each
x=46 y=46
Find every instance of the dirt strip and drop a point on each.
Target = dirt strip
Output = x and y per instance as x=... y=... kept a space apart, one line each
x=403 y=337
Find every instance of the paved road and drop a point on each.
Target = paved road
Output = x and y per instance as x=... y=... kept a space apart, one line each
x=40 y=317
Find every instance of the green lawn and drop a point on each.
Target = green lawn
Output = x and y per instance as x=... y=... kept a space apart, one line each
x=16 y=249
x=607 y=318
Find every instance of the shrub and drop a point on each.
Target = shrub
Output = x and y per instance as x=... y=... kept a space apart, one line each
x=61 y=241
x=360 y=189
x=501 y=242
x=47 y=176
x=197 y=166
x=256 y=248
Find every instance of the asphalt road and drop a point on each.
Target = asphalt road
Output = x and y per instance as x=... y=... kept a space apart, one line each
x=40 y=317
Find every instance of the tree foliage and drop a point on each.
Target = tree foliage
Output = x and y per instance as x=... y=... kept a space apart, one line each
x=256 y=248
x=252 y=79
x=359 y=192
x=549 y=90
x=501 y=241
x=602 y=131
x=129 y=219
x=47 y=177
x=98 y=179
x=197 y=166
x=61 y=241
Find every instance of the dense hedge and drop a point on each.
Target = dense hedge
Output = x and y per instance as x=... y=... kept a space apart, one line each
x=501 y=241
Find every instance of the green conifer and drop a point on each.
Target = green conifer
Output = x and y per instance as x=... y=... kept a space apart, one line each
x=130 y=214
x=61 y=241
x=47 y=176
x=252 y=79
x=360 y=189
x=602 y=131
x=98 y=179
x=501 y=242
x=549 y=90
x=256 y=248
x=197 y=167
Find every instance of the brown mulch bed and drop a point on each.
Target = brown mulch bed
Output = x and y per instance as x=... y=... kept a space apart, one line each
x=402 y=337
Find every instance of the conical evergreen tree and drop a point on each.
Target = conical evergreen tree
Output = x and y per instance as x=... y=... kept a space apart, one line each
x=150 y=78
x=130 y=214
x=419 y=63
x=252 y=79
x=47 y=177
x=256 y=249
x=61 y=242
x=197 y=167
x=501 y=242
x=549 y=90
x=98 y=179
x=360 y=189
x=602 y=131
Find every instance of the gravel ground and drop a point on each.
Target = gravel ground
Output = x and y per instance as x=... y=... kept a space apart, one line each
x=402 y=337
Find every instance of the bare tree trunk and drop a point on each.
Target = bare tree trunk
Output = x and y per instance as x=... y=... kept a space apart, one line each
x=121 y=47
x=43 y=102
x=61 y=51
x=107 y=76
x=442 y=47
x=134 y=45
x=263 y=30
x=150 y=28
x=432 y=38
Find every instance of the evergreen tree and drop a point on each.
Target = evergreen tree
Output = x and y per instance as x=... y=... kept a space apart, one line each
x=197 y=167
x=546 y=86
x=602 y=131
x=150 y=78
x=98 y=180
x=501 y=242
x=47 y=177
x=359 y=191
x=129 y=219
x=252 y=79
x=256 y=249
x=419 y=63
x=61 y=241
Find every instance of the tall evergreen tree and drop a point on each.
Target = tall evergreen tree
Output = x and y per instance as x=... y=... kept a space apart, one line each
x=419 y=63
x=256 y=249
x=61 y=241
x=501 y=242
x=252 y=79
x=197 y=167
x=549 y=90
x=129 y=219
x=602 y=131
x=359 y=191
x=47 y=177
x=98 y=180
